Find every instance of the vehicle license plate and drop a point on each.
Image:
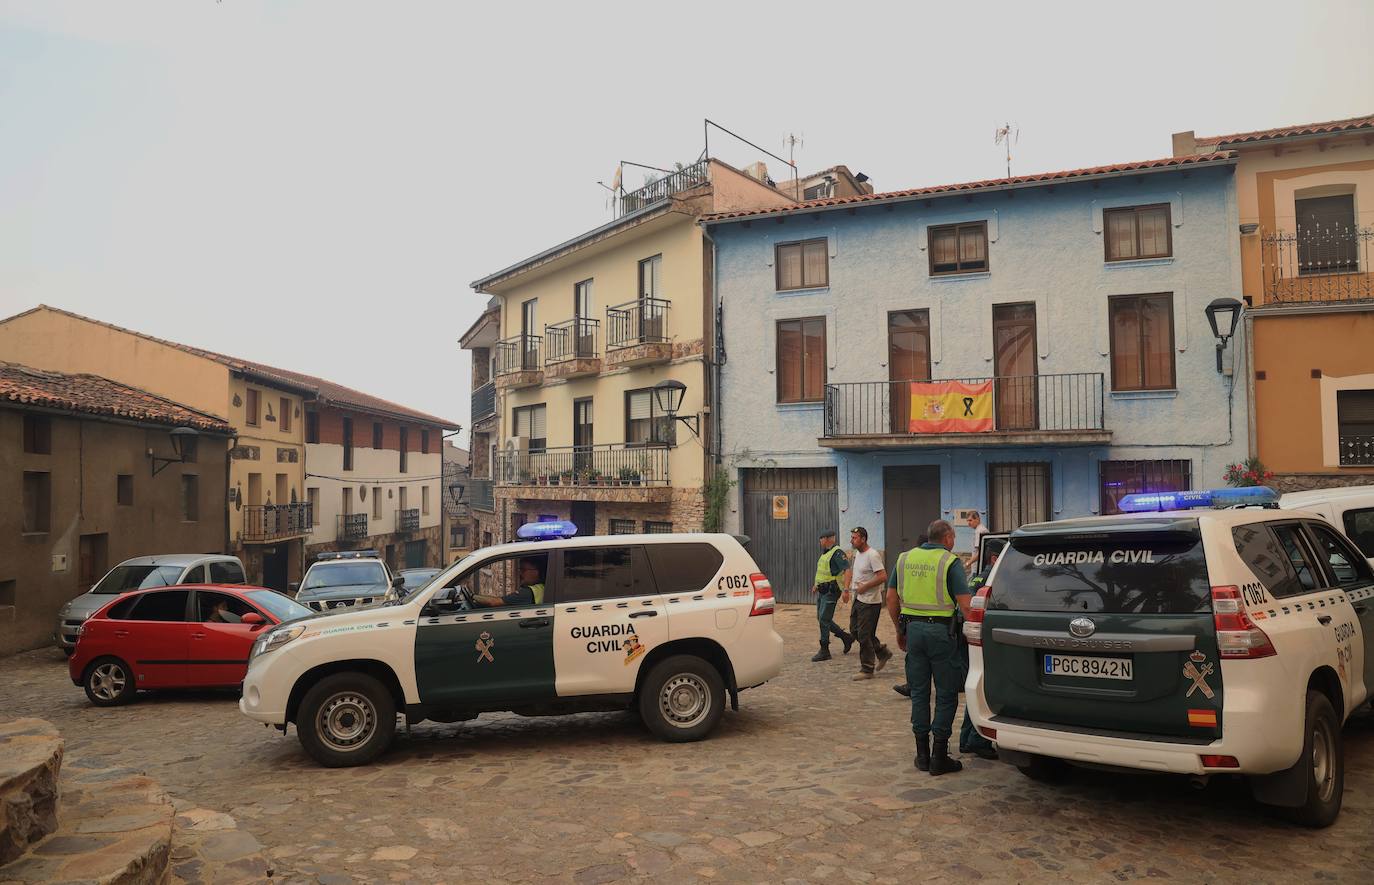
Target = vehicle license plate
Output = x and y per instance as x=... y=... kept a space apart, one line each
x=1090 y=667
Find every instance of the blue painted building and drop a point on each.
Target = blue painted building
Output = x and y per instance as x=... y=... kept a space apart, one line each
x=1071 y=305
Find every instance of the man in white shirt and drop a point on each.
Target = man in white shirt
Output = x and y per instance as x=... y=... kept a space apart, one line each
x=867 y=578
x=975 y=522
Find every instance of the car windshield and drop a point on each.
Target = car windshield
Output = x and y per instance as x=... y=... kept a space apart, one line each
x=123 y=578
x=344 y=574
x=417 y=578
x=281 y=608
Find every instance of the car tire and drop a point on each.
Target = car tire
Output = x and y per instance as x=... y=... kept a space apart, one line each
x=1045 y=770
x=109 y=682
x=682 y=699
x=1323 y=762
x=346 y=719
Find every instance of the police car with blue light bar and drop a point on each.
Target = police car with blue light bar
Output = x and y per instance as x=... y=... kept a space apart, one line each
x=1198 y=633
x=669 y=625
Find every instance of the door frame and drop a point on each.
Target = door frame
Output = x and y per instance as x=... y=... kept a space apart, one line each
x=1034 y=362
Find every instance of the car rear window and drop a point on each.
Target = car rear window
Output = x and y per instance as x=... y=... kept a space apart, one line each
x=1128 y=575
x=683 y=568
x=1359 y=527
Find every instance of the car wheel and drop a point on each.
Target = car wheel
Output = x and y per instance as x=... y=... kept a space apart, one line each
x=109 y=682
x=1323 y=760
x=346 y=719
x=1045 y=769
x=682 y=699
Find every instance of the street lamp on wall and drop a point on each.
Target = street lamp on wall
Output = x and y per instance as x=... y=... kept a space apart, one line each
x=668 y=397
x=1223 y=314
x=179 y=436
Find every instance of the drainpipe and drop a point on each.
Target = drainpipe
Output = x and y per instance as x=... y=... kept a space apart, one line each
x=233 y=441
x=714 y=452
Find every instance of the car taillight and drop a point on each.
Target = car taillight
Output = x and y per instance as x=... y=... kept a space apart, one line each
x=763 y=595
x=977 y=609
x=989 y=733
x=1237 y=635
x=1209 y=761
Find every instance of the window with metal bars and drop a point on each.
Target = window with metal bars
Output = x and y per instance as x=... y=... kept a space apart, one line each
x=1018 y=493
x=1121 y=478
x=622 y=527
x=657 y=528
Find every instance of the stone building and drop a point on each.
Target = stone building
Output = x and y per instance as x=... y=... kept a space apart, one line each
x=97 y=472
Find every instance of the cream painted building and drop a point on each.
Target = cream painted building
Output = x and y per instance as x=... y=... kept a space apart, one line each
x=1305 y=199
x=584 y=332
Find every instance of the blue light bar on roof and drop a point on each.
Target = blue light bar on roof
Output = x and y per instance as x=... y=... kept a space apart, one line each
x=1154 y=502
x=546 y=531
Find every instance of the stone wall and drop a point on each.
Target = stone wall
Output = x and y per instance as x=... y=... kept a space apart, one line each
x=1301 y=482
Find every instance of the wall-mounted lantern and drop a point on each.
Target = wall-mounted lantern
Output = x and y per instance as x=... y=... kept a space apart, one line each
x=1223 y=314
x=668 y=396
x=179 y=435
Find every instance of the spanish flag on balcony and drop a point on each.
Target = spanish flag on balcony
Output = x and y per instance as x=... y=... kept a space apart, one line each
x=950 y=407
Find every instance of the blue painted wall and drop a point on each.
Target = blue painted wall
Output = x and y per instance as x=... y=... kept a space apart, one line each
x=1045 y=246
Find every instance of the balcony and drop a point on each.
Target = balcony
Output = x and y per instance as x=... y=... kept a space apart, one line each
x=1027 y=410
x=1317 y=264
x=1356 y=450
x=352 y=527
x=693 y=176
x=265 y=523
x=570 y=349
x=615 y=472
x=483 y=402
x=517 y=362
x=408 y=520
x=479 y=494
x=637 y=333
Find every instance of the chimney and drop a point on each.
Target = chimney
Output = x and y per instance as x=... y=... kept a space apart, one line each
x=757 y=171
x=1185 y=144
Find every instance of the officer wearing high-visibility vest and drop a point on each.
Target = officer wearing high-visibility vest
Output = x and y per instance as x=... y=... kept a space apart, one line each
x=530 y=591
x=827 y=588
x=926 y=587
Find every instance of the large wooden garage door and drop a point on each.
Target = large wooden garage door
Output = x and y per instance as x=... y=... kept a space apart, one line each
x=785 y=510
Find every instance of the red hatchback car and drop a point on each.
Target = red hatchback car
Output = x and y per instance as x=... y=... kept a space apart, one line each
x=191 y=636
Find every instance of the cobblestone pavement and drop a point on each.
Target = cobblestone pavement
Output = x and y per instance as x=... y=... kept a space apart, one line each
x=811 y=781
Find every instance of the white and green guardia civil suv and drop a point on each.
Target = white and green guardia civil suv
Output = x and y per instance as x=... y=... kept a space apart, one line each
x=670 y=625
x=1178 y=638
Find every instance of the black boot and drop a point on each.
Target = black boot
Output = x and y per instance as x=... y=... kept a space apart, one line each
x=904 y=690
x=822 y=655
x=923 y=752
x=940 y=763
x=848 y=640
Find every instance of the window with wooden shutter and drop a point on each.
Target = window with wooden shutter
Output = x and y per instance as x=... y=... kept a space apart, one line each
x=1326 y=235
x=645 y=424
x=804 y=265
x=1135 y=232
x=1142 y=341
x=801 y=360
x=529 y=421
x=958 y=248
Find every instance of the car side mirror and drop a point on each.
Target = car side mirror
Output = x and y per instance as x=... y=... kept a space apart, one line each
x=293 y=587
x=253 y=619
x=443 y=601
x=397 y=581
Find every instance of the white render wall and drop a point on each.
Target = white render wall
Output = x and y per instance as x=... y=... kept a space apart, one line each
x=371 y=468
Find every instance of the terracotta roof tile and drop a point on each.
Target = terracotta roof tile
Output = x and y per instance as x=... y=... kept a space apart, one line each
x=94 y=395
x=1014 y=181
x=298 y=381
x=1330 y=127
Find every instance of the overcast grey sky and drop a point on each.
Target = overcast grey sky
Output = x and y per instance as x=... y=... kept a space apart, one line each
x=314 y=184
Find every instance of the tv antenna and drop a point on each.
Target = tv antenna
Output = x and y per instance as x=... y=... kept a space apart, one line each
x=792 y=142
x=1005 y=135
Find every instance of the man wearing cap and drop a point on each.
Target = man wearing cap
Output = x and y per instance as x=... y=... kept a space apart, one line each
x=927 y=586
x=831 y=566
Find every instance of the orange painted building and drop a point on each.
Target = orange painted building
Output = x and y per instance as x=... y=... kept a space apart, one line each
x=1305 y=200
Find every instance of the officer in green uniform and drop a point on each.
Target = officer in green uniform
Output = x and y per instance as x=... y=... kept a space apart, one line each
x=927 y=586
x=530 y=591
x=829 y=567
x=970 y=741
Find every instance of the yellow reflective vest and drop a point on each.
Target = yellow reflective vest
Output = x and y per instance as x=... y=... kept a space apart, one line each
x=923 y=582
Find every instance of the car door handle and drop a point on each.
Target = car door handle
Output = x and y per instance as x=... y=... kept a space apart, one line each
x=648 y=614
x=534 y=622
x=197 y=635
x=120 y=634
x=1323 y=619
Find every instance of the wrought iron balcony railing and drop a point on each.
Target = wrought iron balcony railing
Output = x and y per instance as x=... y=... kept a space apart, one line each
x=656 y=191
x=1317 y=263
x=352 y=526
x=573 y=339
x=408 y=520
x=518 y=354
x=643 y=321
x=483 y=402
x=1356 y=450
x=268 y=522
x=1020 y=403
x=480 y=494
x=585 y=466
